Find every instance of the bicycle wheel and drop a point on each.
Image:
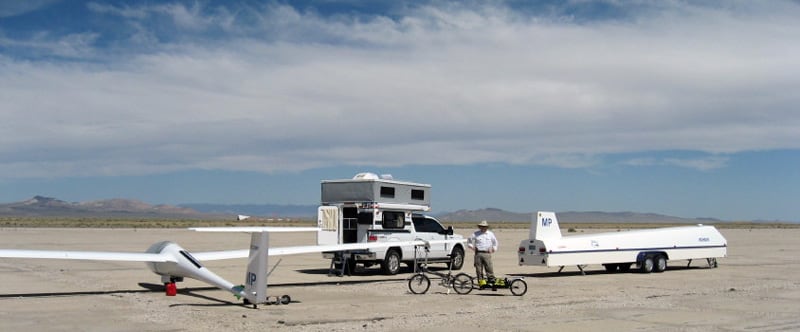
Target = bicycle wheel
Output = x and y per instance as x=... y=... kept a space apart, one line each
x=519 y=287
x=419 y=284
x=462 y=283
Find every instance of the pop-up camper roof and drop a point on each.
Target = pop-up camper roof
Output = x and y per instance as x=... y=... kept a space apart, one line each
x=369 y=187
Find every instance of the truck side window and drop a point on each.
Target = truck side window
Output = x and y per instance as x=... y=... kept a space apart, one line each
x=393 y=219
x=424 y=224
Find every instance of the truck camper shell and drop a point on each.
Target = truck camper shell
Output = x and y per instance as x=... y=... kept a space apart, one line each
x=368 y=187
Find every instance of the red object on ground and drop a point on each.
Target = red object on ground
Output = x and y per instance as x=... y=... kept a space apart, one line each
x=172 y=289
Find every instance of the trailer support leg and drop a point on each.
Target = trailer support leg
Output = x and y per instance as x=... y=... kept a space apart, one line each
x=580 y=267
x=560 y=268
x=690 y=263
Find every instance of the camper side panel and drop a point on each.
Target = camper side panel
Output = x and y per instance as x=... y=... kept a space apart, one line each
x=352 y=191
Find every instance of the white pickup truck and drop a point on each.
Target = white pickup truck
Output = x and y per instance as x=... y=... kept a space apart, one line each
x=369 y=208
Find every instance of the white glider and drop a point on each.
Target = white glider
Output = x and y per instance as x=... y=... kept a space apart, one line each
x=173 y=263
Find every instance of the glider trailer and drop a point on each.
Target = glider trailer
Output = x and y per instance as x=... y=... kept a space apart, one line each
x=646 y=250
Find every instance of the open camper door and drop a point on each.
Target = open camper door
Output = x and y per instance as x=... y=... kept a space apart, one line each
x=328 y=224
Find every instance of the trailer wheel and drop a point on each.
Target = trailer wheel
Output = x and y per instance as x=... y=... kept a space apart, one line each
x=518 y=287
x=457 y=259
x=647 y=265
x=419 y=284
x=391 y=263
x=660 y=264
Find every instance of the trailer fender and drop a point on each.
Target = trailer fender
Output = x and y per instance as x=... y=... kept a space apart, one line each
x=651 y=254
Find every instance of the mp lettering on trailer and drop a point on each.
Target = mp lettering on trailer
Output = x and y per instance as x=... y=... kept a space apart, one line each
x=546 y=222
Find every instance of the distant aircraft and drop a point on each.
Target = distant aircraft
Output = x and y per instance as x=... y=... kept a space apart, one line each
x=173 y=263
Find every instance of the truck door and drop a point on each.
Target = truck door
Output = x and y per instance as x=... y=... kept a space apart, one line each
x=429 y=229
x=328 y=222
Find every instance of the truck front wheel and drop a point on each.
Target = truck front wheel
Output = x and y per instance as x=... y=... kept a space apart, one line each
x=391 y=263
x=457 y=258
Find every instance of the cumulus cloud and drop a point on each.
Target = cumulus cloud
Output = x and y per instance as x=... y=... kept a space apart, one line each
x=294 y=90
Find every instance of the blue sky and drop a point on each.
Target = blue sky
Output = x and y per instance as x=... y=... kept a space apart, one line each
x=673 y=107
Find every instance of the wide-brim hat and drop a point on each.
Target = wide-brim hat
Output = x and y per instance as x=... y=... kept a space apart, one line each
x=483 y=224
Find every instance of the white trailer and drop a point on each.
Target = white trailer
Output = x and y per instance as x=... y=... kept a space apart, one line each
x=647 y=249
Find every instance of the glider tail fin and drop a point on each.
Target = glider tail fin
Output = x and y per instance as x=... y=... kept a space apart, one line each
x=544 y=226
x=255 y=282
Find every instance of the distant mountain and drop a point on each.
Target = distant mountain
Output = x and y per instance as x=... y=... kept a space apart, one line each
x=493 y=214
x=40 y=206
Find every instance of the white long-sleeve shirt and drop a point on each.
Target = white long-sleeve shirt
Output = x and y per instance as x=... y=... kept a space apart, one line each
x=483 y=241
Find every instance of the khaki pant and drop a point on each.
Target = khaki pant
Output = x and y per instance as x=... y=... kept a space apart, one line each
x=483 y=260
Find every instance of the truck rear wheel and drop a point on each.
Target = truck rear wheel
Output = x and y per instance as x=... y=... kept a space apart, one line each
x=391 y=263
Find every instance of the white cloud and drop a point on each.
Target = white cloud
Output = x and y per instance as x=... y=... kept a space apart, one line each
x=707 y=163
x=703 y=164
x=455 y=86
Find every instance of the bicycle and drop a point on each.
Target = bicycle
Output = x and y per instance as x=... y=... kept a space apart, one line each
x=419 y=283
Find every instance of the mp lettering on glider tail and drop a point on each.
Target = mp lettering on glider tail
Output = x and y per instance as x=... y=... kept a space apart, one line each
x=546 y=226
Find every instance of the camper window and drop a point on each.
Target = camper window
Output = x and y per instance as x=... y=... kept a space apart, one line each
x=387 y=192
x=393 y=219
x=418 y=194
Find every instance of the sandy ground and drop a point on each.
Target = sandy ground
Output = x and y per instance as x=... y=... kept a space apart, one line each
x=756 y=288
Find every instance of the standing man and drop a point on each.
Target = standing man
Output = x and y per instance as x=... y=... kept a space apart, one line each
x=484 y=243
